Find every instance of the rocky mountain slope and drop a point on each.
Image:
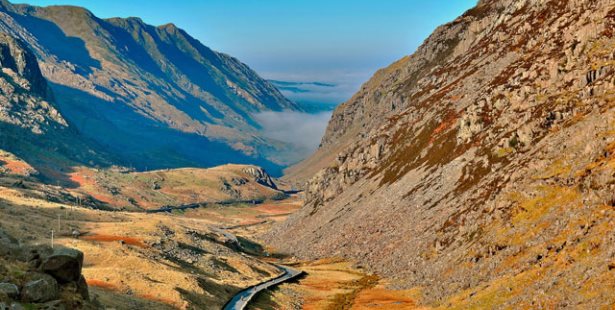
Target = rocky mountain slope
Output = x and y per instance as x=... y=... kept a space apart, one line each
x=54 y=185
x=24 y=90
x=154 y=95
x=31 y=127
x=480 y=169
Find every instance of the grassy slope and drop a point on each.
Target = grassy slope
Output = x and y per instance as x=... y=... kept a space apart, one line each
x=163 y=261
x=156 y=189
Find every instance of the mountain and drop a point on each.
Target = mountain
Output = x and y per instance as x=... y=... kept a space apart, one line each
x=154 y=96
x=480 y=169
x=53 y=196
x=31 y=126
x=24 y=90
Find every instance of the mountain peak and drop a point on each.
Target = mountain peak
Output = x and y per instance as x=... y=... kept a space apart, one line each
x=66 y=10
x=169 y=26
x=133 y=19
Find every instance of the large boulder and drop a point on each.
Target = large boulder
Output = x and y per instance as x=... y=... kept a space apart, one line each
x=41 y=288
x=64 y=264
x=47 y=272
x=33 y=254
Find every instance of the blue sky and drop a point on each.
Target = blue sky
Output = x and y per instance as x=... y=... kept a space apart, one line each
x=340 y=41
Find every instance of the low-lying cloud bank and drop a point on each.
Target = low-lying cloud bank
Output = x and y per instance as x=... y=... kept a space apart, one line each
x=328 y=87
x=302 y=130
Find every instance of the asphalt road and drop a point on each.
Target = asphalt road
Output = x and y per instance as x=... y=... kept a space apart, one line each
x=241 y=300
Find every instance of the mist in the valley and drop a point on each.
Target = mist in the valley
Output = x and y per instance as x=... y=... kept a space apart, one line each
x=302 y=130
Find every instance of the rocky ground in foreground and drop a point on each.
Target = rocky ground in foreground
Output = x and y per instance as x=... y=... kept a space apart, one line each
x=41 y=277
x=479 y=170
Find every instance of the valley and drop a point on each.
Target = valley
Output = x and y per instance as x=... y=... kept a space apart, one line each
x=186 y=258
x=192 y=259
x=140 y=169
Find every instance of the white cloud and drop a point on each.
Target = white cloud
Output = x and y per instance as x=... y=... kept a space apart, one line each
x=302 y=130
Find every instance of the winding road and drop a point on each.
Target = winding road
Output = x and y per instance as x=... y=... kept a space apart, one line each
x=241 y=300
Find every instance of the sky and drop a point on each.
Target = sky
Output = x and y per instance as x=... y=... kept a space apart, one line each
x=335 y=41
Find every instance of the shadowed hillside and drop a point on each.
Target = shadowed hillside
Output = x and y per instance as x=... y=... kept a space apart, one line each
x=155 y=96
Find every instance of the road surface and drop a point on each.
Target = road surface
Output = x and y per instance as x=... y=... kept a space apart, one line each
x=241 y=300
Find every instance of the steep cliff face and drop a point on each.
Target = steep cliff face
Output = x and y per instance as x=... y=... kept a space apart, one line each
x=30 y=124
x=154 y=95
x=480 y=168
x=23 y=89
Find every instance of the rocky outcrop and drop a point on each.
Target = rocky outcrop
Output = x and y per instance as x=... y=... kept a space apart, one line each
x=9 y=289
x=31 y=127
x=479 y=166
x=260 y=176
x=41 y=276
x=22 y=63
x=23 y=89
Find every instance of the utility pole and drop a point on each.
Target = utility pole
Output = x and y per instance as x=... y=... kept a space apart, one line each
x=52 y=238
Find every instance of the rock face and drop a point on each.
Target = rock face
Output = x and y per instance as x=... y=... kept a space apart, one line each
x=260 y=176
x=31 y=125
x=154 y=95
x=480 y=168
x=21 y=65
x=23 y=89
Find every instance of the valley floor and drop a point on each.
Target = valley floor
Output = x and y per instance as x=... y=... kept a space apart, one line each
x=330 y=283
x=135 y=260
x=186 y=259
x=335 y=284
